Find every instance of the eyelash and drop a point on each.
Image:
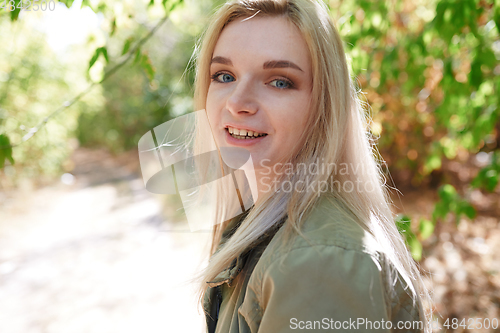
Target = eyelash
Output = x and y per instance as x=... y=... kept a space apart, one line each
x=287 y=81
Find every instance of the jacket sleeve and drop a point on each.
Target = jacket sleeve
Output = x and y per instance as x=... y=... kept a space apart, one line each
x=322 y=288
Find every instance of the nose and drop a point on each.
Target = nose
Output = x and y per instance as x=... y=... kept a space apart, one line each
x=243 y=98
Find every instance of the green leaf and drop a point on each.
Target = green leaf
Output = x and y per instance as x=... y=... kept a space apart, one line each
x=94 y=57
x=488 y=177
x=451 y=202
x=126 y=46
x=476 y=75
x=151 y=3
x=492 y=178
x=172 y=4
x=403 y=223
x=468 y=210
x=5 y=150
x=439 y=18
x=100 y=50
x=104 y=52
x=447 y=204
x=447 y=193
x=68 y=3
x=496 y=17
x=138 y=55
x=14 y=14
x=113 y=27
x=148 y=66
x=415 y=248
x=433 y=162
x=426 y=228
x=440 y=211
x=488 y=57
x=101 y=7
x=86 y=3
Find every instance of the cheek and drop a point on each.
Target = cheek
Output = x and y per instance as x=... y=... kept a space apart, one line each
x=209 y=100
x=211 y=106
x=215 y=99
x=294 y=111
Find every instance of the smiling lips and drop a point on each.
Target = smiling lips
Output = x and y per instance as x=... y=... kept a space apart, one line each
x=244 y=134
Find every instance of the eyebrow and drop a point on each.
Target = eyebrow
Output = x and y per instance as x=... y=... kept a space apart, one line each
x=267 y=65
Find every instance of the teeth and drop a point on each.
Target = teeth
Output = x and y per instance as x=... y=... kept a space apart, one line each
x=243 y=133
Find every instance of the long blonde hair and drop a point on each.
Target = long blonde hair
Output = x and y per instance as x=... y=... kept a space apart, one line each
x=336 y=134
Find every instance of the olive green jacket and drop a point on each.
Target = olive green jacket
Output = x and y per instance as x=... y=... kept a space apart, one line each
x=338 y=284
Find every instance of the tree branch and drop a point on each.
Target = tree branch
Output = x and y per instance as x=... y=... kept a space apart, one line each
x=106 y=76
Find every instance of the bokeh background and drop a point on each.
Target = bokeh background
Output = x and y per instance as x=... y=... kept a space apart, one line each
x=85 y=248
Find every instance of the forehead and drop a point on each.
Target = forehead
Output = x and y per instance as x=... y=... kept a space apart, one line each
x=263 y=39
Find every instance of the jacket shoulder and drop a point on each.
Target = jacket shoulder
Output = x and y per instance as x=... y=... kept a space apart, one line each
x=328 y=224
x=331 y=232
x=338 y=272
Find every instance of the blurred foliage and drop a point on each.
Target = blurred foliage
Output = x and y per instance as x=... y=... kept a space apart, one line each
x=33 y=83
x=488 y=177
x=143 y=94
x=403 y=222
x=36 y=79
x=430 y=72
x=429 y=69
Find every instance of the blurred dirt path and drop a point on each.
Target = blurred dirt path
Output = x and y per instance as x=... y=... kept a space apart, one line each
x=96 y=256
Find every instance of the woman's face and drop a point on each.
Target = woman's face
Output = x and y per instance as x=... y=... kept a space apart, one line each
x=260 y=92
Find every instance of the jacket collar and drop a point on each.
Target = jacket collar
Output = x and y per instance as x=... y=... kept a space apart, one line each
x=229 y=274
x=232 y=270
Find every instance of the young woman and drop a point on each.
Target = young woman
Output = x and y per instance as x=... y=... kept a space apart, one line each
x=319 y=249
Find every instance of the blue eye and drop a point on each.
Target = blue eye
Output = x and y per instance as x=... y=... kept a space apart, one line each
x=282 y=84
x=225 y=77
